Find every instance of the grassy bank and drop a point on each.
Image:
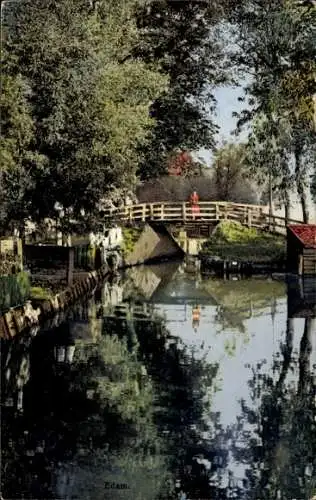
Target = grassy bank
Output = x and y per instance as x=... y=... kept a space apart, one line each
x=233 y=241
x=41 y=293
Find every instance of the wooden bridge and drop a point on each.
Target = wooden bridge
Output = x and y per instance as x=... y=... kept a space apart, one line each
x=210 y=212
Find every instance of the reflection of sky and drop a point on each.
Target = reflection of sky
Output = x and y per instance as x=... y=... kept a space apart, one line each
x=260 y=342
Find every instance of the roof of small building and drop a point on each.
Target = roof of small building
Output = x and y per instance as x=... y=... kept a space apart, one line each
x=305 y=233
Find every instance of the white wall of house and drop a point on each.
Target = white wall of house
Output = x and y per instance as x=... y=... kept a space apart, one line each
x=112 y=238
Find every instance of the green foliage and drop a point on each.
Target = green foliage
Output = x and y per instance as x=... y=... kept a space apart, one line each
x=14 y=290
x=276 y=45
x=88 y=99
x=185 y=39
x=18 y=160
x=130 y=238
x=232 y=240
x=268 y=154
x=40 y=293
x=231 y=174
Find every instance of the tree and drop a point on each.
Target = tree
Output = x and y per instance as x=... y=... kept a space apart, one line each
x=230 y=169
x=313 y=185
x=184 y=37
x=268 y=157
x=19 y=161
x=184 y=165
x=89 y=99
x=276 y=47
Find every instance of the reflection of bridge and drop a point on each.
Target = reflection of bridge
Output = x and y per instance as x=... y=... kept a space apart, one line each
x=210 y=211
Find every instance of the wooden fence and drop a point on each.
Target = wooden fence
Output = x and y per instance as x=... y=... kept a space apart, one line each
x=170 y=212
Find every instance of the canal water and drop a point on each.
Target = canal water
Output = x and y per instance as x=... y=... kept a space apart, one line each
x=163 y=384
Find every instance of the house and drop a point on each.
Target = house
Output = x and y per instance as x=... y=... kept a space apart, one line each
x=301 y=249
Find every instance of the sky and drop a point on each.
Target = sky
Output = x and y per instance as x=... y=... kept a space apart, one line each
x=227 y=103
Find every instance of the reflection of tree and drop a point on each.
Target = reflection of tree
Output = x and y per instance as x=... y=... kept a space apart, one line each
x=135 y=407
x=240 y=300
x=281 y=459
x=183 y=386
x=134 y=396
x=75 y=412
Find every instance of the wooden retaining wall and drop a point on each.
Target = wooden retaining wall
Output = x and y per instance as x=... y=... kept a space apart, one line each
x=309 y=261
x=16 y=320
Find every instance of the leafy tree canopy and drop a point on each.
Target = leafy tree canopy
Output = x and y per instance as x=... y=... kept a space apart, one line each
x=88 y=100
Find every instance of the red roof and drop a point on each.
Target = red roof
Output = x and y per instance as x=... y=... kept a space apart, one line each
x=306 y=233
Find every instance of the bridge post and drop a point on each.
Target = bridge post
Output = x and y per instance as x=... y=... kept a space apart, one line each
x=184 y=214
x=217 y=212
x=249 y=217
x=144 y=213
x=151 y=207
x=162 y=216
x=225 y=212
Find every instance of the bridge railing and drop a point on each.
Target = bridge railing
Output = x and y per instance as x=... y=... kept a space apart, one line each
x=210 y=211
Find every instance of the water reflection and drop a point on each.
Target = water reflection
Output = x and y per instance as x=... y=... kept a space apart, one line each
x=163 y=385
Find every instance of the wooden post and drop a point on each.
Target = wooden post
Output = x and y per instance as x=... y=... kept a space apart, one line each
x=151 y=206
x=70 y=265
x=59 y=238
x=249 y=218
x=217 y=212
x=162 y=211
x=125 y=217
x=184 y=212
x=144 y=212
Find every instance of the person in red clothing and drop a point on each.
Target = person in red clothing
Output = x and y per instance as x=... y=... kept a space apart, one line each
x=194 y=200
x=196 y=311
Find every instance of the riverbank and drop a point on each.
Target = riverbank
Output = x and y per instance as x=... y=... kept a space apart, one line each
x=49 y=292
x=40 y=308
x=234 y=247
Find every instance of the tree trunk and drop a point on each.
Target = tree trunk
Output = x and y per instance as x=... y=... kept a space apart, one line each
x=270 y=201
x=304 y=205
x=287 y=206
x=300 y=184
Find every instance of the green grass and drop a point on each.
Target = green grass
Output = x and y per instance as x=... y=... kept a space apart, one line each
x=40 y=293
x=232 y=240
